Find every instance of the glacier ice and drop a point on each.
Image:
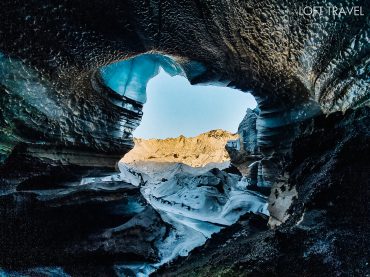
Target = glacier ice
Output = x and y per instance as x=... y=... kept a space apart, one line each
x=195 y=202
x=211 y=197
x=196 y=193
x=16 y=77
x=130 y=77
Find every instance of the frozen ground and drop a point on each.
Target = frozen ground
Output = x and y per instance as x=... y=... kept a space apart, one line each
x=196 y=202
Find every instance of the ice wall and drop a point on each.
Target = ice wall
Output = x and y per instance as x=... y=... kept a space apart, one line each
x=130 y=77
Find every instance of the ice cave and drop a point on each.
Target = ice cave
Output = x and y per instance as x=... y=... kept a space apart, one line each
x=285 y=195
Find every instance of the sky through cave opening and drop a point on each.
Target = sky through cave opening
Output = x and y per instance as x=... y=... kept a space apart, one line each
x=174 y=107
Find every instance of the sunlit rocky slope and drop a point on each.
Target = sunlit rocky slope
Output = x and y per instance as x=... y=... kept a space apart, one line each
x=196 y=151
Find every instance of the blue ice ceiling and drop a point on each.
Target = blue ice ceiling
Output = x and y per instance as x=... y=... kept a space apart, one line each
x=130 y=77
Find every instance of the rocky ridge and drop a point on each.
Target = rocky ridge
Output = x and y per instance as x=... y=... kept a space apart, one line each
x=196 y=151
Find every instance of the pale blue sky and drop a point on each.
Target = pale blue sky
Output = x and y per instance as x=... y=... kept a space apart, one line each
x=174 y=107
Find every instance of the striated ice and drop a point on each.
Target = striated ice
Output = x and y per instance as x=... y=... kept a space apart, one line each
x=130 y=77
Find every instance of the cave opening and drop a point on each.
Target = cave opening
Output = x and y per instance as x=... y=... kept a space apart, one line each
x=181 y=160
x=173 y=107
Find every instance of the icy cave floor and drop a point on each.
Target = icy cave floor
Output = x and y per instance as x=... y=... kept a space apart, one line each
x=195 y=201
x=134 y=221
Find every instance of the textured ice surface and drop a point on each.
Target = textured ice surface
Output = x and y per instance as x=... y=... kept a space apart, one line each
x=22 y=80
x=265 y=47
x=196 y=202
x=34 y=110
x=201 y=194
x=130 y=77
x=205 y=197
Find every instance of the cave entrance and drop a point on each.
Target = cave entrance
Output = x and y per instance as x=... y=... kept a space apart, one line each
x=179 y=160
x=197 y=121
x=173 y=106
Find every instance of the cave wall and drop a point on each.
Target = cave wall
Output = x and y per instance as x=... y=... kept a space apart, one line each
x=56 y=109
x=326 y=230
x=59 y=120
